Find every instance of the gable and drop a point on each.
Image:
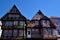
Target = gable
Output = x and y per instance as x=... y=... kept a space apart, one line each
x=14 y=9
x=38 y=16
x=13 y=14
x=56 y=21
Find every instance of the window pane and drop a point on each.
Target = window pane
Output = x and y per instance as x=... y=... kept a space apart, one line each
x=48 y=22
x=17 y=16
x=36 y=23
x=5 y=33
x=43 y=22
x=14 y=10
x=20 y=32
x=13 y=16
x=54 y=32
x=21 y=23
x=59 y=32
x=15 y=32
x=29 y=32
x=50 y=31
x=35 y=31
x=8 y=23
x=47 y=31
x=16 y=23
x=41 y=15
x=10 y=33
x=10 y=15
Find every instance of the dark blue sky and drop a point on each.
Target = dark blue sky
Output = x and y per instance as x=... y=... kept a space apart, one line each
x=29 y=8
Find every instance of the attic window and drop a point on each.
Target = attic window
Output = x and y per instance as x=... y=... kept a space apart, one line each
x=45 y=21
x=36 y=23
x=41 y=15
x=13 y=16
x=14 y=10
x=48 y=22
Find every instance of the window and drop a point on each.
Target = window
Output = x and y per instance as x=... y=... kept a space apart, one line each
x=13 y=16
x=5 y=33
x=59 y=32
x=20 y=32
x=50 y=31
x=21 y=23
x=16 y=23
x=54 y=31
x=35 y=31
x=15 y=33
x=48 y=22
x=10 y=15
x=10 y=33
x=29 y=32
x=8 y=23
x=47 y=31
x=36 y=23
x=17 y=16
x=14 y=10
x=43 y=22
x=39 y=15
